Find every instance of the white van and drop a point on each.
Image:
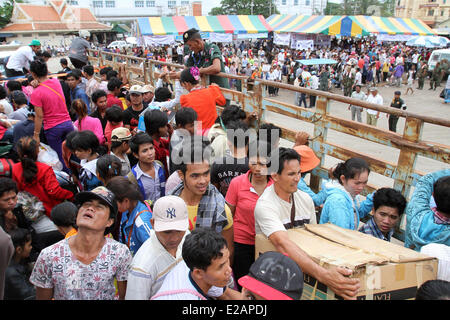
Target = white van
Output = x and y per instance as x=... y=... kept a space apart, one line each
x=438 y=56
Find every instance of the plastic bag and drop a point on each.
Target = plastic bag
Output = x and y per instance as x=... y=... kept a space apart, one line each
x=49 y=156
x=32 y=207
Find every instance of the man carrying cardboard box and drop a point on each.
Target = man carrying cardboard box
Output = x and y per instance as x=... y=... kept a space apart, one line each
x=275 y=212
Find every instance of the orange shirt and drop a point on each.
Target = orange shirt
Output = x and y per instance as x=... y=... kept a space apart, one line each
x=204 y=102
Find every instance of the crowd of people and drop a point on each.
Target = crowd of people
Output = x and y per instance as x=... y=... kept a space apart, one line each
x=152 y=194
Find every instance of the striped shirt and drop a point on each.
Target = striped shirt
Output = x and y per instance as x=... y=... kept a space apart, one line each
x=149 y=268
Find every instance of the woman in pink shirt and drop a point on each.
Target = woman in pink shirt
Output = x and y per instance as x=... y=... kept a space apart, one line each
x=242 y=195
x=50 y=109
x=86 y=122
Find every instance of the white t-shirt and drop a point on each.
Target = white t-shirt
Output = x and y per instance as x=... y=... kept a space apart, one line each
x=7 y=107
x=442 y=253
x=149 y=268
x=377 y=99
x=314 y=82
x=358 y=78
x=178 y=286
x=415 y=58
x=21 y=59
x=273 y=214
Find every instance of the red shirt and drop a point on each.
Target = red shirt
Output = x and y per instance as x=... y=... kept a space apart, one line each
x=112 y=100
x=162 y=152
x=45 y=186
x=241 y=195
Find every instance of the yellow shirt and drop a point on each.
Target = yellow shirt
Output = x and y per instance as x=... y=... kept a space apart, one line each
x=192 y=212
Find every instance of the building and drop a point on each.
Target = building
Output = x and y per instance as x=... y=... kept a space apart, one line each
x=303 y=7
x=129 y=10
x=192 y=9
x=432 y=12
x=53 y=23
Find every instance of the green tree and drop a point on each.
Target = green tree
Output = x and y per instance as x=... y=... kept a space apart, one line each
x=245 y=7
x=6 y=11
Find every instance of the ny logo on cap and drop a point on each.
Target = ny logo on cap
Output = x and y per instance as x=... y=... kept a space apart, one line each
x=170 y=213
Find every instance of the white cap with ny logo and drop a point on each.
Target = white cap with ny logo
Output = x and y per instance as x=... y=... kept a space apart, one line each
x=170 y=213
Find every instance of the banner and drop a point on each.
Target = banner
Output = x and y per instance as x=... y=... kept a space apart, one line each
x=305 y=44
x=220 y=37
x=395 y=37
x=253 y=36
x=282 y=39
x=158 y=40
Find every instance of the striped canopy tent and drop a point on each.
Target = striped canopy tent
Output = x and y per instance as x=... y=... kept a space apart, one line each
x=384 y=25
x=177 y=25
x=347 y=25
x=302 y=24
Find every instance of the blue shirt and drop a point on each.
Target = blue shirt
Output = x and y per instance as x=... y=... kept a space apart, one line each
x=421 y=227
x=79 y=93
x=135 y=227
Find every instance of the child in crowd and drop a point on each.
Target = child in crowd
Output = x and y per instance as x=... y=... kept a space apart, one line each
x=64 y=216
x=157 y=127
x=203 y=100
x=86 y=122
x=184 y=119
x=120 y=147
x=148 y=174
x=87 y=149
x=135 y=214
x=114 y=116
x=108 y=167
x=17 y=285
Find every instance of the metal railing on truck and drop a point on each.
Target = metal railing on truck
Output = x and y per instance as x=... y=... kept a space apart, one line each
x=253 y=98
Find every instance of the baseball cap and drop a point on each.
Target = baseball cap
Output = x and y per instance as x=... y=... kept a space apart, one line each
x=99 y=193
x=35 y=42
x=373 y=89
x=274 y=276
x=308 y=159
x=170 y=213
x=120 y=134
x=136 y=89
x=148 y=88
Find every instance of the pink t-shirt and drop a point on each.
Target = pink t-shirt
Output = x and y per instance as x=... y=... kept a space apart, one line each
x=50 y=97
x=241 y=195
x=91 y=124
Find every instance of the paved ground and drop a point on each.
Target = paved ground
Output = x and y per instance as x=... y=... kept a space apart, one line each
x=426 y=102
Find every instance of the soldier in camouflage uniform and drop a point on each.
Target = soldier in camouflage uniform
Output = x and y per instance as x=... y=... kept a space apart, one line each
x=206 y=56
x=422 y=75
x=444 y=69
x=348 y=79
x=437 y=71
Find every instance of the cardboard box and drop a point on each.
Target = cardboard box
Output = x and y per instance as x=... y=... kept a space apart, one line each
x=386 y=271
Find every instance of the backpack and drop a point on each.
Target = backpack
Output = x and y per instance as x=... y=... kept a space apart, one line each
x=6 y=167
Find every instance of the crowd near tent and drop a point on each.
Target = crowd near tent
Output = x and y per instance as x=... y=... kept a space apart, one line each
x=224 y=28
x=347 y=25
x=298 y=31
x=295 y=29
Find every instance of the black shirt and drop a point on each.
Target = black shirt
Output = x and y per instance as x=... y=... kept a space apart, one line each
x=222 y=172
x=131 y=117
